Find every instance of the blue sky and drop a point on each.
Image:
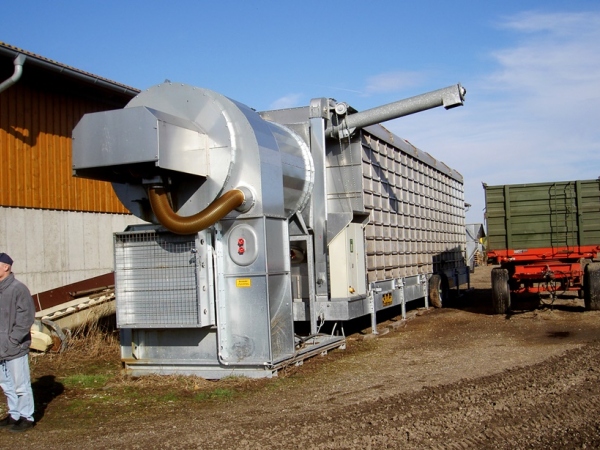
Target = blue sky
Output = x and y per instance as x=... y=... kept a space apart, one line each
x=531 y=68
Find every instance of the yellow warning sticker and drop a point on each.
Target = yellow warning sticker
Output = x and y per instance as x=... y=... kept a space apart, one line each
x=386 y=299
x=243 y=282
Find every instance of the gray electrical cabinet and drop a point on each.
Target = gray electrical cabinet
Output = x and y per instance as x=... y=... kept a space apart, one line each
x=347 y=263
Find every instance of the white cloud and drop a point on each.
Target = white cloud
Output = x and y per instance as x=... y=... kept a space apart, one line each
x=559 y=55
x=534 y=118
x=558 y=24
x=287 y=101
x=392 y=82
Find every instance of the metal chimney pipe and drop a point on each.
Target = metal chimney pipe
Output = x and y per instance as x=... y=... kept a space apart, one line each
x=448 y=97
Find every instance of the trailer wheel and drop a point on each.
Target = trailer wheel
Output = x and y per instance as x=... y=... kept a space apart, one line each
x=435 y=291
x=591 y=287
x=500 y=291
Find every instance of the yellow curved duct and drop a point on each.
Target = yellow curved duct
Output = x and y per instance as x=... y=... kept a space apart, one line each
x=192 y=224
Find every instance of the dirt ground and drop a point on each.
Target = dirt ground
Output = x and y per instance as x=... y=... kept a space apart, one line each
x=452 y=378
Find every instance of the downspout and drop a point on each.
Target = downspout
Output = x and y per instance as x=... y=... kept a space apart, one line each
x=18 y=62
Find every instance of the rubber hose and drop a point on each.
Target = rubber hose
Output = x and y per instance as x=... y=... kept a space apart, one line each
x=192 y=224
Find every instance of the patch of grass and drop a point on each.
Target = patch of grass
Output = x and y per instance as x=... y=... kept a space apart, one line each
x=169 y=397
x=85 y=381
x=89 y=405
x=217 y=394
x=130 y=392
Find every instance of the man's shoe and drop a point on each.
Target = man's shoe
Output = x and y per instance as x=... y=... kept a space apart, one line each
x=21 y=425
x=8 y=421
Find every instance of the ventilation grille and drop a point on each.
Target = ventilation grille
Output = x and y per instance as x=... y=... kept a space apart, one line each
x=156 y=280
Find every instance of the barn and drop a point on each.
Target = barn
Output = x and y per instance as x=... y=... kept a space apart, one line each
x=58 y=229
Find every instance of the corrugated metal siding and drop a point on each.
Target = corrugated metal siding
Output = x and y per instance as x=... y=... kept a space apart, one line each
x=35 y=153
x=417 y=214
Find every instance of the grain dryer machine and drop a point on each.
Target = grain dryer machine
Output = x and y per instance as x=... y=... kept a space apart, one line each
x=244 y=216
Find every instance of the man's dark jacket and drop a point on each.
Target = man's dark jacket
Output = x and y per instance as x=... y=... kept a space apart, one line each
x=17 y=313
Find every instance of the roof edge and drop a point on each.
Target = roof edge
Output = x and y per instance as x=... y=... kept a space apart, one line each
x=48 y=64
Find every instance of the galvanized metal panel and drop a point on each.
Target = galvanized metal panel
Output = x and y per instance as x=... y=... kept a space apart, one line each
x=254 y=303
x=172 y=346
x=244 y=330
x=281 y=317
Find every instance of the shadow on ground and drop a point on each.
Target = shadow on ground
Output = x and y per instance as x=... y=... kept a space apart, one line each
x=45 y=389
x=479 y=301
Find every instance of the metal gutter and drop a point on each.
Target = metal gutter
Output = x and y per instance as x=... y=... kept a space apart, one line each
x=18 y=62
x=47 y=64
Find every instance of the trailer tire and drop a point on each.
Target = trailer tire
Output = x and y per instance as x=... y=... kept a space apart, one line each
x=591 y=287
x=435 y=291
x=500 y=291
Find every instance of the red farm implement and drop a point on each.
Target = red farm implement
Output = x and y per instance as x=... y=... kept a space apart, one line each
x=545 y=237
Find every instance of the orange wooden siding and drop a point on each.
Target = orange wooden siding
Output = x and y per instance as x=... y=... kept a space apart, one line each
x=35 y=153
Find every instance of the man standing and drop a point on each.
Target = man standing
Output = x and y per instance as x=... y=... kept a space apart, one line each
x=17 y=313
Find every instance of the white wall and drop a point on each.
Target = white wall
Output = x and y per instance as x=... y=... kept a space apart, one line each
x=54 y=248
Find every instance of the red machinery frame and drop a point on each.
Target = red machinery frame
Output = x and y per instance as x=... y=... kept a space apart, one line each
x=553 y=269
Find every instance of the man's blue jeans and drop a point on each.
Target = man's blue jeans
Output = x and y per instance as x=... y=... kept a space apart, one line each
x=16 y=384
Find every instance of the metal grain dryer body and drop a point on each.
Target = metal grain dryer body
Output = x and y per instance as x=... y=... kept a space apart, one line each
x=311 y=214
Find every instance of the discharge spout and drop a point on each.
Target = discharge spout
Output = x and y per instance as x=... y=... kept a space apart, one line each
x=448 y=97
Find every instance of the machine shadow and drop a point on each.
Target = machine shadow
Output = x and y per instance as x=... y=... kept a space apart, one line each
x=473 y=300
x=525 y=303
x=479 y=301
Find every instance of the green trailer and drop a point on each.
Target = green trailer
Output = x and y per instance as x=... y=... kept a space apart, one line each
x=545 y=237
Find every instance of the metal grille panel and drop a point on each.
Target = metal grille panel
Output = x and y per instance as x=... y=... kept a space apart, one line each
x=156 y=280
x=417 y=222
